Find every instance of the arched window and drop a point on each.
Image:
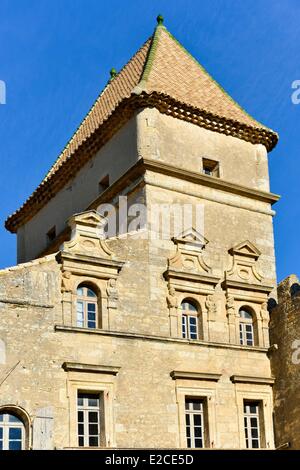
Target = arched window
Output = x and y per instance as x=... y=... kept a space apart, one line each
x=246 y=327
x=189 y=320
x=12 y=432
x=87 y=307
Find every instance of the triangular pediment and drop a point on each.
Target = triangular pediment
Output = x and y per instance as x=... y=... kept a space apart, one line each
x=90 y=218
x=191 y=236
x=246 y=249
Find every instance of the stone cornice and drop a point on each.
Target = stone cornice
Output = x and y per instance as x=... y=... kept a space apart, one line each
x=164 y=339
x=90 y=260
x=191 y=276
x=122 y=113
x=177 y=374
x=100 y=369
x=247 y=286
x=252 y=380
x=134 y=177
x=24 y=303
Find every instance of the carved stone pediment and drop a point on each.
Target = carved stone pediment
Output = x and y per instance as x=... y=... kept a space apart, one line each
x=87 y=236
x=189 y=253
x=244 y=264
x=245 y=250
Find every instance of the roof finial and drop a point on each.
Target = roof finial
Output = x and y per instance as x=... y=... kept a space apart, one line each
x=160 y=20
x=113 y=73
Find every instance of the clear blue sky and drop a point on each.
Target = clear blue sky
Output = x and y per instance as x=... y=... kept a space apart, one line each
x=55 y=58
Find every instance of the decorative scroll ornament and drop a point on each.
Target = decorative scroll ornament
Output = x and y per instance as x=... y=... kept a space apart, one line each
x=189 y=253
x=244 y=268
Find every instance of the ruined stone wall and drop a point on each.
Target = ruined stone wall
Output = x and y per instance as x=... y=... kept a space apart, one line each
x=285 y=333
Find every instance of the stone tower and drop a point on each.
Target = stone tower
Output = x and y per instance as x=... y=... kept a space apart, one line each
x=153 y=338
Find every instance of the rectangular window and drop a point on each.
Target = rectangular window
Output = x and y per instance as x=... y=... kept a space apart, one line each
x=189 y=326
x=88 y=419
x=252 y=424
x=210 y=167
x=195 y=422
x=246 y=334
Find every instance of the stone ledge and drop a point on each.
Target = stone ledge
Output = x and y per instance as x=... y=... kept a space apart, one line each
x=24 y=303
x=78 y=367
x=176 y=374
x=252 y=380
x=163 y=339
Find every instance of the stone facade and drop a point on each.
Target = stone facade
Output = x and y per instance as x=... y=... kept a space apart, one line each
x=285 y=361
x=139 y=360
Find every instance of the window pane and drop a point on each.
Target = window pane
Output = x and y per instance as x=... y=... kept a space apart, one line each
x=255 y=444
x=80 y=400
x=14 y=419
x=253 y=409
x=93 y=401
x=15 y=433
x=254 y=433
x=253 y=422
x=193 y=320
x=80 y=441
x=91 y=307
x=80 y=291
x=1 y=417
x=191 y=307
x=245 y=314
x=80 y=429
x=91 y=324
x=1 y=445
x=15 y=445
x=189 y=443
x=197 y=420
x=198 y=443
x=80 y=413
x=1 y=433
x=91 y=293
x=187 y=419
x=93 y=441
x=93 y=429
x=198 y=432
x=93 y=417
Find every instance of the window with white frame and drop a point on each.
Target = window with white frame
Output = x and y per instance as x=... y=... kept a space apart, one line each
x=246 y=327
x=89 y=419
x=87 y=307
x=189 y=320
x=195 y=422
x=252 y=424
x=12 y=432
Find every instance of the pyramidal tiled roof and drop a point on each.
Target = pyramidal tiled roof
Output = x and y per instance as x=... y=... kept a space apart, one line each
x=161 y=74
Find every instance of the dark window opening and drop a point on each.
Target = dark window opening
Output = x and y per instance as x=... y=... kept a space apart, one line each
x=51 y=235
x=211 y=167
x=104 y=184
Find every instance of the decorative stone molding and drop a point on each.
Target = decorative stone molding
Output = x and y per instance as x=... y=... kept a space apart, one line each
x=112 y=293
x=87 y=258
x=252 y=380
x=189 y=253
x=176 y=374
x=211 y=307
x=187 y=269
x=100 y=369
x=244 y=267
